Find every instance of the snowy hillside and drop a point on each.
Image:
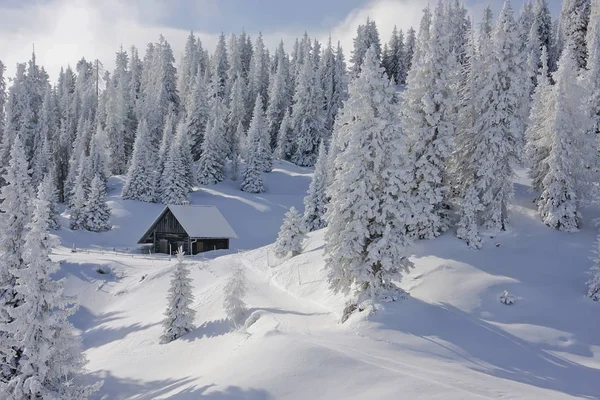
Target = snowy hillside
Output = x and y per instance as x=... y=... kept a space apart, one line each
x=451 y=339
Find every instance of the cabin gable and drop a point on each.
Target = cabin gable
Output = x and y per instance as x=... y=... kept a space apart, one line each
x=167 y=234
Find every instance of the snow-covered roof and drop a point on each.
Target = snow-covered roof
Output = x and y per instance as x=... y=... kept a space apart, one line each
x=200 y=221
x=203 y=221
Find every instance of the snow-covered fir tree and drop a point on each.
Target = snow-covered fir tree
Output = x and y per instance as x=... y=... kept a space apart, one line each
x=536 y=135
x=120 y=119
x=316 y=199
x=257 y=153
x=234 y=293
x=428 y=121
x=51 y=361
x=367 y=36
x=259 y=137
x=569 y=148
x=592 y=77
x=141 y=180
x=211 y=167
x=470 y=206
x=574 y=20
x=291 y=235
x=179 y=316
x=168 y=135
x=258 y=78
x=98 y=155
x=78 y=199
x=197 y=115
x=15 y=210
x=43 y=157
x=332 y=77
x=236 y=116
x=461 y=169
x=285 y=140
x=97 y=212
x=188 y=70
x=594 y=282
x=175 y=183
x=280 y=96
x=47 y=191
x=307 y=122
x=409 y=51
x=497 y=134
x=367 y=243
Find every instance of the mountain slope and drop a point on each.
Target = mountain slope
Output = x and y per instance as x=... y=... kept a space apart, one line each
x=450 y=339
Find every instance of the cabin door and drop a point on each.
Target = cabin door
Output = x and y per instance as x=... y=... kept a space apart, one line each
x=163 y=246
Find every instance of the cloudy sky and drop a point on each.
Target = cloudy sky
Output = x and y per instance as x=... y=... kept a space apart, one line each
x=65 y=30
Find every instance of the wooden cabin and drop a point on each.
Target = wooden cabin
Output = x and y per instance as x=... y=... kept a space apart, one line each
x=195 y=228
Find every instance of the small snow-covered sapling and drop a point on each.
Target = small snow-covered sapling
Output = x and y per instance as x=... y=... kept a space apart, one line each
x=507 y=299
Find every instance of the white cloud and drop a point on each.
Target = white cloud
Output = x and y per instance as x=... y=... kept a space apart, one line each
x=66 y=30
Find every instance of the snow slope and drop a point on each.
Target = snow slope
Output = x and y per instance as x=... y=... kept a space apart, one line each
x=451 y=339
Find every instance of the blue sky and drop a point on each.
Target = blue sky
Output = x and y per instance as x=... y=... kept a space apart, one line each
x=65 y=30
x=256 y=15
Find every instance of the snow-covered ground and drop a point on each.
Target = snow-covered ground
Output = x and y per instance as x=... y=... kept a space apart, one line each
x=451 y=339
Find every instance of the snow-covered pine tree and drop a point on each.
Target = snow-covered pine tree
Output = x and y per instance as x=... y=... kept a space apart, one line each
x=258 y=78
x=285 y=141
x=236 y=116
x=234 y=293
x=409 y=51
x=280 y=96
x=592 y=79
x=141 y=180
x=366 y=243
x=498 y=127
x=316 y=199
x=47 y=191
x=120 y=119
x=367 y=35
x=459 y=26
x=79 y=198
x=168 y=136
x=197 y=115
x=569 y=148
x=462 y=174
x=291 y=235
x=258 y=138
x=574 y=20
x=211 y=167
x=470 y=206
x=594 y=282
x=428 y=120
x=15 y=209
x=97 y=213
x=51 y=363
x=331 y=73
x=98 y=154
x=179 y=317
x=43 y=158
x=259 y=130
x=175 y=183
x=307 y=121
x=240 y=135
x=542 y=20
x=188 y=71
x=537 y=146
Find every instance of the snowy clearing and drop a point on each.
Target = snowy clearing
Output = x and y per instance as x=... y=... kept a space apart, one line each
x=451 y=339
